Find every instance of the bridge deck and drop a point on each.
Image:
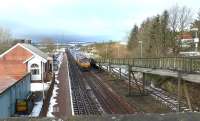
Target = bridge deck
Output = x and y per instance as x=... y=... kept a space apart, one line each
x=189 y=67
x=185 y=76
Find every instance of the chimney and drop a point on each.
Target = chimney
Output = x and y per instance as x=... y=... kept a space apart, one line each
x=28 y=41
x=22 y=41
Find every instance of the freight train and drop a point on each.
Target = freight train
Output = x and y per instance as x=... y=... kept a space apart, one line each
x=81 y=60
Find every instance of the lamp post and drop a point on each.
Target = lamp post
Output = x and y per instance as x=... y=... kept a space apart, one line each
x=118 y=51
x=140 y=42
x=196 y=39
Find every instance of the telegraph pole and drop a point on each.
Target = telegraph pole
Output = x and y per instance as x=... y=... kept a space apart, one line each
x=140 y=42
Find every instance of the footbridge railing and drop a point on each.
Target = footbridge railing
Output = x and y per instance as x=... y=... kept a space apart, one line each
x=184 y=64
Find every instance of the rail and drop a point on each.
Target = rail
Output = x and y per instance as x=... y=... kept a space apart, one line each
x=183 y=64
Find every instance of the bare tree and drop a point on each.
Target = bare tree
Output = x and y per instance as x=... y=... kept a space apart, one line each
x=180 y=19
x=185 y=18
x=173 y=18
x=5 y=39
x=5 y=35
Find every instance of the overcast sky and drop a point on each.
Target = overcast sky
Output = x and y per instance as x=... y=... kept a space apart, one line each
x=110 y=18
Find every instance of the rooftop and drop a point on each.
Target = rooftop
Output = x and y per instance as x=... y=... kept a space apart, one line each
x=185 y=35
x=7 y=68
x=6 y=82
x=35 y=50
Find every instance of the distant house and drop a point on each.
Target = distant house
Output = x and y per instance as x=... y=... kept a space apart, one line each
x=186 y=39
x=13 y=88
x=24 y=58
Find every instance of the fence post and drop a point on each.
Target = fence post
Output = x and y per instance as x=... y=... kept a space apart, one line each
x=160 y=62
x=109 y=65
x=179 y=91
x=174 y=62
x=120 y=75
x=129 y=80
x=190 y=64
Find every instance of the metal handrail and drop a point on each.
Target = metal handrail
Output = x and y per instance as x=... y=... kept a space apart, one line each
x=184 y=64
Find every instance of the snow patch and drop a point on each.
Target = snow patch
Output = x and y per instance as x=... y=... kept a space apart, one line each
x=52 y=101
x=56 y=72
x=59 y=60
x=37 y=108
x=39 y=86
x=57 y=81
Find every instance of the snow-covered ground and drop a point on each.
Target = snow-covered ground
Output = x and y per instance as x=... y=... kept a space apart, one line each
x=59 y=59
x=38 y=105
x=53 y=100
x=90 y=55
x=45 y=86
x=39 y=86
x=37 y=108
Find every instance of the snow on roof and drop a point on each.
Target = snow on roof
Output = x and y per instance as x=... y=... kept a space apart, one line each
x=35 y=50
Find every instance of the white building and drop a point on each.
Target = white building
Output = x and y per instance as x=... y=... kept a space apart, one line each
x=25 y=58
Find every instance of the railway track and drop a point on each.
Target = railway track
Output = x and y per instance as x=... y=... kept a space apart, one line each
x=111 y=103
x=91 y=96
x=83 y=104
x=165 y=97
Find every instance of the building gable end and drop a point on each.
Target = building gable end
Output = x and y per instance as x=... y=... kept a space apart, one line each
x=43 y=59
x=7 y=51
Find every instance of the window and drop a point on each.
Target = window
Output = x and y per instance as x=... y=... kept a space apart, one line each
x=34 y=66
x=35 y=69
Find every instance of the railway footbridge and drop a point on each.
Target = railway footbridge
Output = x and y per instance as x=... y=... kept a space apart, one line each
x=183 y=69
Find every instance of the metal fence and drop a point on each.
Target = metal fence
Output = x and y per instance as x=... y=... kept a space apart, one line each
x=184 y=64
